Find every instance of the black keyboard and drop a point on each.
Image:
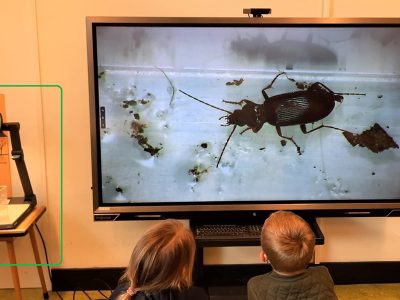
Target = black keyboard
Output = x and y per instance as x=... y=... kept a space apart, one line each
x=228 y=232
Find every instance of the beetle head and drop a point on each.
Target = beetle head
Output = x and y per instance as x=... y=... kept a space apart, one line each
x=236 y=118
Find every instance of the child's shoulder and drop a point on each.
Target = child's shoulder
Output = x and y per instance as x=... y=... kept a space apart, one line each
x=197 y=293
x=258 y=279
x=321 y=274
x=319 y=269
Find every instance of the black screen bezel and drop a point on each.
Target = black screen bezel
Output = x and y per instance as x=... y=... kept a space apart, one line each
x=378 y=207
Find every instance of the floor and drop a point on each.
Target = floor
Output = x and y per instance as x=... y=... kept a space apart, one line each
x=344 y=292
x=368 y=291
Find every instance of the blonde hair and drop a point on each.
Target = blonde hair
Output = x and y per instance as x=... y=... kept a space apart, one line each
x=288 y=241
x=162 y=259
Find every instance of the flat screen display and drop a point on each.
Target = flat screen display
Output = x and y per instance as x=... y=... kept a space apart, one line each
x=206 y=112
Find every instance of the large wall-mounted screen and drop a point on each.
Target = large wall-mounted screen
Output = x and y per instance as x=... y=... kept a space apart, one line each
x=233 y=114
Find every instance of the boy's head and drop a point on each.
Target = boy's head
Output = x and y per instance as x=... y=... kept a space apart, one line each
x=287 y=241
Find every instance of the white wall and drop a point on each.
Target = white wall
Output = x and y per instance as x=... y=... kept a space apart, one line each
x=44 y=41
x=19 y=64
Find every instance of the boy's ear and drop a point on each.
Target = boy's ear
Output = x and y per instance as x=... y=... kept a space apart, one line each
x=263 y=256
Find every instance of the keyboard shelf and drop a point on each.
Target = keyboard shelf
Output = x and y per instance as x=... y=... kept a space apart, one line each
x=227 y=235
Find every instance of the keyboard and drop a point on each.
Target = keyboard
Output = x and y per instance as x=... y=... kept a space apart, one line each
x=228 y=232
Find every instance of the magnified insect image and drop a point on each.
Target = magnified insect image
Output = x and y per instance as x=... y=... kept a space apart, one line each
x=248 y=113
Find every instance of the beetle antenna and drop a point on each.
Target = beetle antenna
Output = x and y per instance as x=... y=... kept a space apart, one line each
x=226 y=143
x=227 y=111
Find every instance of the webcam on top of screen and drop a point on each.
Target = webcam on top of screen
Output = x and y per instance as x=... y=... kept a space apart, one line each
x=257 y=12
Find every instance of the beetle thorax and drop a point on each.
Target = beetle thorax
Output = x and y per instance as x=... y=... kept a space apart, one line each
x=250 y=115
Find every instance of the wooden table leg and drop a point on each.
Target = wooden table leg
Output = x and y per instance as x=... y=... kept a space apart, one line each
x=37 y=260
x=14 y=270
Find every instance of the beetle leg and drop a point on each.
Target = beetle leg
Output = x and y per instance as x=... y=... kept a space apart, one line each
x=317 y=86
x=304 y=129
x=276 y=77
x=278 y=130
x=273 y=80
x=263 y=91
x=238 y=102
x=244 y=130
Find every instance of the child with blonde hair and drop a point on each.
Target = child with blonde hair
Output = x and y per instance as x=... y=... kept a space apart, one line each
x=287 y=243
x=161 y=266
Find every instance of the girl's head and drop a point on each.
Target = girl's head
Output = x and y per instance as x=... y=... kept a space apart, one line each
x=162 y=259
x=287 y=241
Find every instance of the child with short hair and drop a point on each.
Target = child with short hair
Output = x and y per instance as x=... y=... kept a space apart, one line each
x=161 y=266
x=287 y=243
